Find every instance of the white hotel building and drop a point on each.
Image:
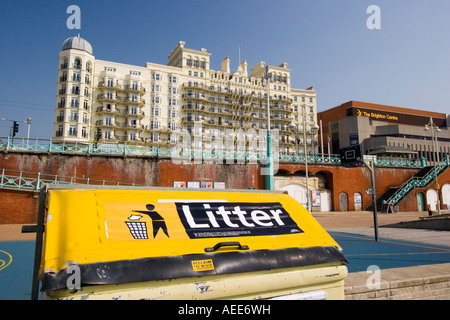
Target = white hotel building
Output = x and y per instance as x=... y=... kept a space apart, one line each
x=100 y=101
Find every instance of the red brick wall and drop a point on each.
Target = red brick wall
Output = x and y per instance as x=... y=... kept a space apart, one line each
x=21 y=206
x=18 y=207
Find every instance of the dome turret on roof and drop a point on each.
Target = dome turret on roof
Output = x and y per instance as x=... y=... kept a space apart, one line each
x=77 y=43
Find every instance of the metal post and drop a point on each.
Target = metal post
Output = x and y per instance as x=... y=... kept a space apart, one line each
x=321 y=142
x=374 y=199
x=269 y=179
x=38 y=243
x=369 y=162
x=434 y=129
x=308 y=203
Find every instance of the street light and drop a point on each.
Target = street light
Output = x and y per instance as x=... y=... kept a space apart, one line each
x=29 y=127
x=269 y=179
x=434 y=129
x=314 y=128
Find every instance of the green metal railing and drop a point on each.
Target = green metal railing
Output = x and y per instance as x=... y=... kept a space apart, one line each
x=418 y=182
x=46 y=145
x=33 y=181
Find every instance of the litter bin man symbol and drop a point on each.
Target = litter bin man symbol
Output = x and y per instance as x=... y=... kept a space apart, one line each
x=157 y=222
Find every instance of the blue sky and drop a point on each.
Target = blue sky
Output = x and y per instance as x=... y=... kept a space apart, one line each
x=326 y=43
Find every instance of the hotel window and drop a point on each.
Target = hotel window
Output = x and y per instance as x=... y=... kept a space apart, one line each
x=195 y=63
x=65 y=64
x=133 y=110
x=135 y=85
x=63 y=89
x=74 y=103
x=109 y=94
x=155 y=136
x=173 y=79
x=84 y=132
x=155 y=124
x=75 y=89
x=173 y=90
x=73 y=131
x=87 y=79
x=107 y=134
x=156 y=88
x=85 y=118
x=110 y=82
x=73 y=116
x=173 y=126
x=86 y=92
x=156 y=111
x=203 y=65
x=156 y=100
x=189 y=62
x=76 y=77
x=172 y=113
x=172 y=102
x=173 y=138
x=63 y=76
x=156 y=76
x=77 y=64
x=132 y=135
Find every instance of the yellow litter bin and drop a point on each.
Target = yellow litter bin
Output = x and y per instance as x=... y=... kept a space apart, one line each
x=161 y=243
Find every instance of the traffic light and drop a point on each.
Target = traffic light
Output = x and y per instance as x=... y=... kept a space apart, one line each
x=15 y=128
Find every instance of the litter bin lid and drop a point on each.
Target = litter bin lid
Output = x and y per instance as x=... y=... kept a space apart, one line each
x=133 y=230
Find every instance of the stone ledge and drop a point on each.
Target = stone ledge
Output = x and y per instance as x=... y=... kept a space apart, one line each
x=421 y=282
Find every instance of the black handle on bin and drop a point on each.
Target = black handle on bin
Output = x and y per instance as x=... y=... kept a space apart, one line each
x=226 y=244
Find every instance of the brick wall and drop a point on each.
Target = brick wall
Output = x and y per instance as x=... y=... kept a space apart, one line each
x=163 y=172
x=18 y=207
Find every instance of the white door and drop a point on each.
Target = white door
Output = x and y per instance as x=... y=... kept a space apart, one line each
x=432 y=199
x=297 y=192
x=446 y=196
x=325 y=201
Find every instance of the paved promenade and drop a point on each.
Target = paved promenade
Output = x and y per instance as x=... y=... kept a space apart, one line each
x=361 y=223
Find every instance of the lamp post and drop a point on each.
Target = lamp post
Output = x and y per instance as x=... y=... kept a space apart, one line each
x=435 y=129
x=29 y=127
x=314 y=128
x=269 y=179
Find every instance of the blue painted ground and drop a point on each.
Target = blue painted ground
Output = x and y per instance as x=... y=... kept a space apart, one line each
x=16 y=277
x=361 y=251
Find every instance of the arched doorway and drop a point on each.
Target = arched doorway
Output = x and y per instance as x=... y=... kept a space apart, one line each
x=432 y=198
x=343 y=202
x=297 y=192
x=446 y=196
x=357 y=199
x=420 y=202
